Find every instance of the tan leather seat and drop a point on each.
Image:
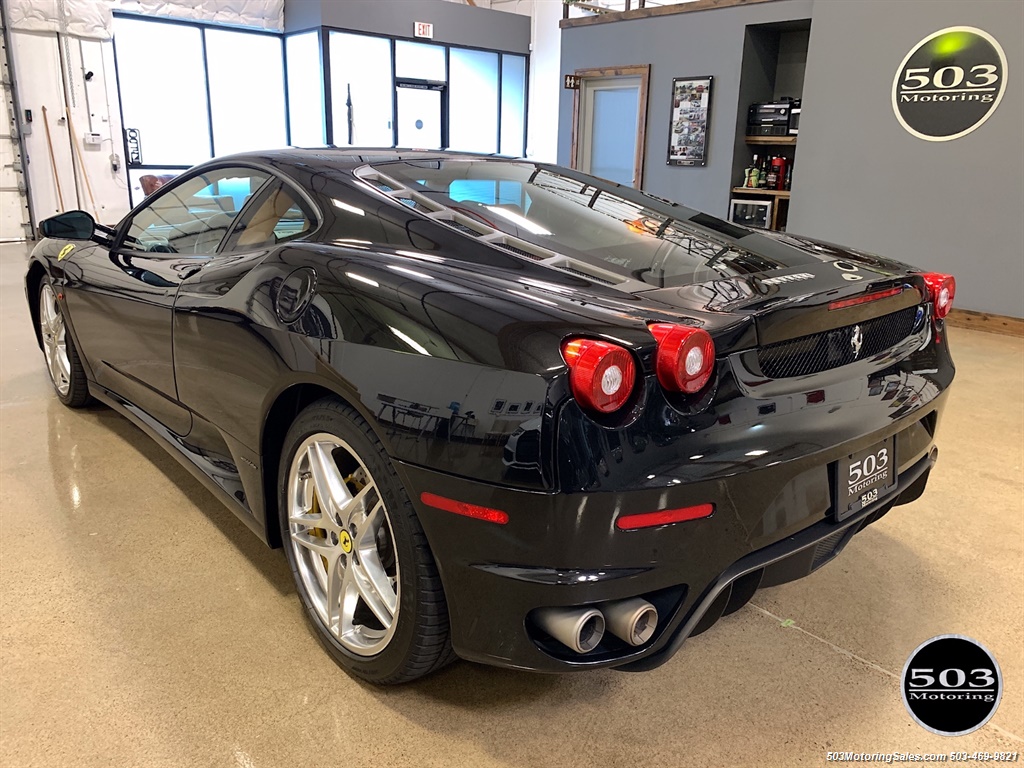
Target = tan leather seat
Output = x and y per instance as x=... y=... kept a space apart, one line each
x=260 y=229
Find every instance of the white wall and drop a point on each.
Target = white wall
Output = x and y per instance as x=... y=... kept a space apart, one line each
x=93 y=108
x=545 y=77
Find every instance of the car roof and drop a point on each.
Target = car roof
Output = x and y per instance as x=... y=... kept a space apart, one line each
x=352 y=157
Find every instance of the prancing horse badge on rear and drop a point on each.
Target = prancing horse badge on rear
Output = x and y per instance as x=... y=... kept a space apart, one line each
x=856 y=340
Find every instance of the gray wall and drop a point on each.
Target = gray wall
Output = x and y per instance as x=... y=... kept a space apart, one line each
x=681 y=45
x=301 y=14
x=792 y=64
x=454 y=23
x=859 y=178
x=862 y=180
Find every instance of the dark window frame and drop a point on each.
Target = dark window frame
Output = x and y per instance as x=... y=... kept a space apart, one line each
x=117 y=244
x=273 y=176
x=323 y=37
x=202 y=26
x=329 y=107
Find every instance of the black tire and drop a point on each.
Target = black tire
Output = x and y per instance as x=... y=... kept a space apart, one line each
x=421 y=640
x=77 y=395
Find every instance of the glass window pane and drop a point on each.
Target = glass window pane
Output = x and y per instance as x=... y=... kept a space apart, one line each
x=143 y=183
x=419 y=61
x=419 y=118
x=195 y=215
x=361 y=90
x=613 y=138
x=619 y=230
x=487 y=191
x=513 y=104
x=473 y=101
x=275 y=217
x=305 y=90
x=246 y=77
x=163 y=96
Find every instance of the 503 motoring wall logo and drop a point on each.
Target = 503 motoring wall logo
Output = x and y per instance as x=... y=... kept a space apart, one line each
x=949 y=84
x=951 y=685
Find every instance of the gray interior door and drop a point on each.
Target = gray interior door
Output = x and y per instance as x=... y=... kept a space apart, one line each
x=609 y=128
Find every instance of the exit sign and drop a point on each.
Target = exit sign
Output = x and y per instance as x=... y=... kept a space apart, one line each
x=423 y=29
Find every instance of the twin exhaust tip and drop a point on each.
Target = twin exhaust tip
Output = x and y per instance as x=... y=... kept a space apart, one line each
x=580 y=629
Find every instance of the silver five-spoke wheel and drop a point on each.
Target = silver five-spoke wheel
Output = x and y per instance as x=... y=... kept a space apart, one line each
x=343 y=543
x=54 y=334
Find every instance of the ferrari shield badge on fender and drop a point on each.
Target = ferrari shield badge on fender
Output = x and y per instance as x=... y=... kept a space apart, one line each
x=65 y=251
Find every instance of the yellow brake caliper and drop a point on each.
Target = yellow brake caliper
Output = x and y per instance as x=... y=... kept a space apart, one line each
x=355 y=485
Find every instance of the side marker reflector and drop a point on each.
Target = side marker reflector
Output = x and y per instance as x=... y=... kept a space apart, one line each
x=664 y=517
x=464 y=509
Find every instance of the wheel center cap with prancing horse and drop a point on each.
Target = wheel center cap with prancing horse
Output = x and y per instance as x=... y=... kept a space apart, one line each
x=346 y=542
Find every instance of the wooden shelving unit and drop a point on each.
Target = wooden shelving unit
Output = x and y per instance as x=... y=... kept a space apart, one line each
x=757 y=191
x=778 y=194
x=771 y=71
x=776 y=141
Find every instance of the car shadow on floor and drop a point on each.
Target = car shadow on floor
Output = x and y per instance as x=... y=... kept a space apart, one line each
x=748 y=665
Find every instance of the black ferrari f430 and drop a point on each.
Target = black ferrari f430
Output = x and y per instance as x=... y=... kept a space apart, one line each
x=500 y=410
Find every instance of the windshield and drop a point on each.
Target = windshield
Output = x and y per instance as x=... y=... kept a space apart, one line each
x=583 y=218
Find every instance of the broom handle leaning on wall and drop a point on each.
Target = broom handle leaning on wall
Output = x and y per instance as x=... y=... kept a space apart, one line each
x=81 y=160
x=53 y=164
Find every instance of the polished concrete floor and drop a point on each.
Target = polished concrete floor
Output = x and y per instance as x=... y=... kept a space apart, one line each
x=142 y=625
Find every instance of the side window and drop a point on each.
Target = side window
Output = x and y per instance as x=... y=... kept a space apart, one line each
x=276 y=216
x=193 y=216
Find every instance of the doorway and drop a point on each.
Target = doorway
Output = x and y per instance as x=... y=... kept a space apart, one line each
x=610 y=123
x=419 y=115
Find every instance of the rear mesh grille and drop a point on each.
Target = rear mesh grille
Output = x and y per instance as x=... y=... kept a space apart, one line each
x=584 y=274
x=463 y=228
x=521 y=252
x=835 y=348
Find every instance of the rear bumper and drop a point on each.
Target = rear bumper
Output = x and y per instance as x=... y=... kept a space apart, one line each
x=772 y=524
x=787 y=560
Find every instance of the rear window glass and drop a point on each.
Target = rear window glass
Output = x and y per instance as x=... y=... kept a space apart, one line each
x=584 y=218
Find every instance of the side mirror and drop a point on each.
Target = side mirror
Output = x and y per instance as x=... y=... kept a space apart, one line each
x=73 y=225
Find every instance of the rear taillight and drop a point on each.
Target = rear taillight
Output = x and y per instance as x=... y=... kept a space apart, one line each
x=601 y=374
x=685 y=358
x=943 y=290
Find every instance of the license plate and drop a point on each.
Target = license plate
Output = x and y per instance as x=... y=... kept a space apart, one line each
x=865 y=477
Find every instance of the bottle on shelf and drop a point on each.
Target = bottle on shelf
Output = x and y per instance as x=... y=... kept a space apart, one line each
x=772 y=180
x=762 y=176
x=788 y=183
x=751 y=174
x=779 y=169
